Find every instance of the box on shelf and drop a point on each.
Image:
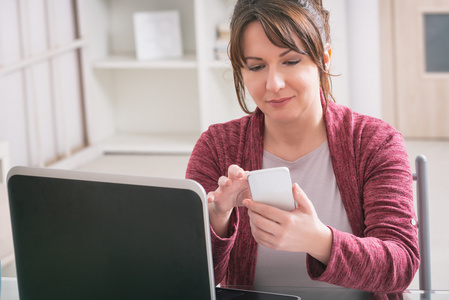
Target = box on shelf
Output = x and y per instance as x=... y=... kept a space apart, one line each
x=157 y=35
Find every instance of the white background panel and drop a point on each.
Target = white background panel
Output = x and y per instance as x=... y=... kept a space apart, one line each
x=13 y=126
x=9 y=33
x=36 y=27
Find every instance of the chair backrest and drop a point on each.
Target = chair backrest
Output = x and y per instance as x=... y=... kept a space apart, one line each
x=422 y=198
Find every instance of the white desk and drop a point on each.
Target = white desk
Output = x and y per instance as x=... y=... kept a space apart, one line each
x=9 y=289
x=10 y=292
x=6 y=243
x=4 y=160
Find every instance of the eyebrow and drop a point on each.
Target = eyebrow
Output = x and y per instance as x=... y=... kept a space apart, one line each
x=258 y=58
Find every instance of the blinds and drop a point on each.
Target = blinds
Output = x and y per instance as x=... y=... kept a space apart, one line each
x=41 y=80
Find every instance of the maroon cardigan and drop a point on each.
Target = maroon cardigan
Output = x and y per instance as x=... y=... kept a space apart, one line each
x=374 y=177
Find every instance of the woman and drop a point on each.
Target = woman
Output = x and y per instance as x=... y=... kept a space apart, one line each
x=354 y=222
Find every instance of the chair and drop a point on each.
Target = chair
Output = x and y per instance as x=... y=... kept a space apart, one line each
x=422 y=198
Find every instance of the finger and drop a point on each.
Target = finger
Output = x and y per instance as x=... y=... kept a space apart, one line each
x=260 y=223
x=265 y=243
x=263 y=238
x=269 y=212
x=210 y=197
x=301 y=199
x=235 y=171
x=223 y=181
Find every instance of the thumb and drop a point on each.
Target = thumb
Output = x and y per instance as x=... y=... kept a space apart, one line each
x=303 y=203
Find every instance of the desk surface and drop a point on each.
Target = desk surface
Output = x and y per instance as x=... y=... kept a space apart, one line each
x=9 y=292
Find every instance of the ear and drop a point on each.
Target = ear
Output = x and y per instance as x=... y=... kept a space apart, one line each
x=327 y=55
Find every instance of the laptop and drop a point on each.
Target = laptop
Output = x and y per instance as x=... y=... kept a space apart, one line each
x=80 y=235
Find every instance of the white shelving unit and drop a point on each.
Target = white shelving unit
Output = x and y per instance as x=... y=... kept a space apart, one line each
x=159 y=106
x=130 y=62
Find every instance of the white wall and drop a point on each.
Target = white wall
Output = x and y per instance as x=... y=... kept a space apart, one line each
x=356 y=54
x=99 y=111
x=364 y=56
x=339 y=59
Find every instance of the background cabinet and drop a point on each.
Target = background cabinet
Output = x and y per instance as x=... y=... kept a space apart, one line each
x=159 y=106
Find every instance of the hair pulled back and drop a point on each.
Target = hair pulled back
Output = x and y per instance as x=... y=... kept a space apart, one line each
x=284 y=21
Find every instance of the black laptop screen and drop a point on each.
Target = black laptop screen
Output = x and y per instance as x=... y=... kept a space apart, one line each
x=78 y=239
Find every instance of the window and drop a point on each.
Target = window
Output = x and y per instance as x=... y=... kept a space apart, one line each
x=41 y=80
x=437 y=42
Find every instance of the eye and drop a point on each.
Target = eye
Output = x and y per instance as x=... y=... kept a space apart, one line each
x=292 y=62
x=255 y=68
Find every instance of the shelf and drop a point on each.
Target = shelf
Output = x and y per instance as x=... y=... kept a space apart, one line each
x=220 y=64
x=130 y=62
x=158 y=143
x=188 y=61
x=126 y=145
x=165 y=166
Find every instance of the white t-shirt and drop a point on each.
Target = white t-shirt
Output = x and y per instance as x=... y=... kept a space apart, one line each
x=315 y=175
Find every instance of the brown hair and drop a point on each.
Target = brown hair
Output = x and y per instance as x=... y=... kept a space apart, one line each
x=283 y=22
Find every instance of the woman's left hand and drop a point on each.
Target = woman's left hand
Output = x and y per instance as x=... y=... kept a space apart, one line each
x=297 y=231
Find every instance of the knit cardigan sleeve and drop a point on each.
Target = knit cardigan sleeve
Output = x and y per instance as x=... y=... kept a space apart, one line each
x=217 y=148
x=204 y=168
x=373 y=173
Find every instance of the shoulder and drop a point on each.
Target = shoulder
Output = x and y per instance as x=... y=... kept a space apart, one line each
x=364 y=143
x=346 y=126
x=229 y=127
x=235 y=131
x=343 y=118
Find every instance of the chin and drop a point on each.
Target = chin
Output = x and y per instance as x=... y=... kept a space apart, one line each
x=284 y=116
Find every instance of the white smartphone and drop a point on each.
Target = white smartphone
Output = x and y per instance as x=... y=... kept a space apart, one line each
x=272 y=186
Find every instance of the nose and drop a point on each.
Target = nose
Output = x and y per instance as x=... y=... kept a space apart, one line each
x=275 y=81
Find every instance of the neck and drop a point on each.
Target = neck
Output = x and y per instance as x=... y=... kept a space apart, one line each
x=293 y=140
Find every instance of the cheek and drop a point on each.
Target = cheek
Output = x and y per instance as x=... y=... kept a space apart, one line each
x=254 y=84
x=306 y=80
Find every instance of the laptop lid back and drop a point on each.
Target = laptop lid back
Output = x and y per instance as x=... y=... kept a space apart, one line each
x=84 y=235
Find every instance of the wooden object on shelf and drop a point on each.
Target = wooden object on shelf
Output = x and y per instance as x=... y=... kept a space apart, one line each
x=222 y=42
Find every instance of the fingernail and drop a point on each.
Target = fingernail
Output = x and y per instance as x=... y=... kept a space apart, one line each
x=296 y=187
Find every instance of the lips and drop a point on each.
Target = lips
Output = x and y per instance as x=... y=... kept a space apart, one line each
x=279 y=102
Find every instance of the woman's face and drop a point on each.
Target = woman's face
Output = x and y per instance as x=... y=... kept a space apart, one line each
x=284 y=84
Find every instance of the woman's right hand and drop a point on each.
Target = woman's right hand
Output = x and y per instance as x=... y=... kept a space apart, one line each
x=231 y=191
